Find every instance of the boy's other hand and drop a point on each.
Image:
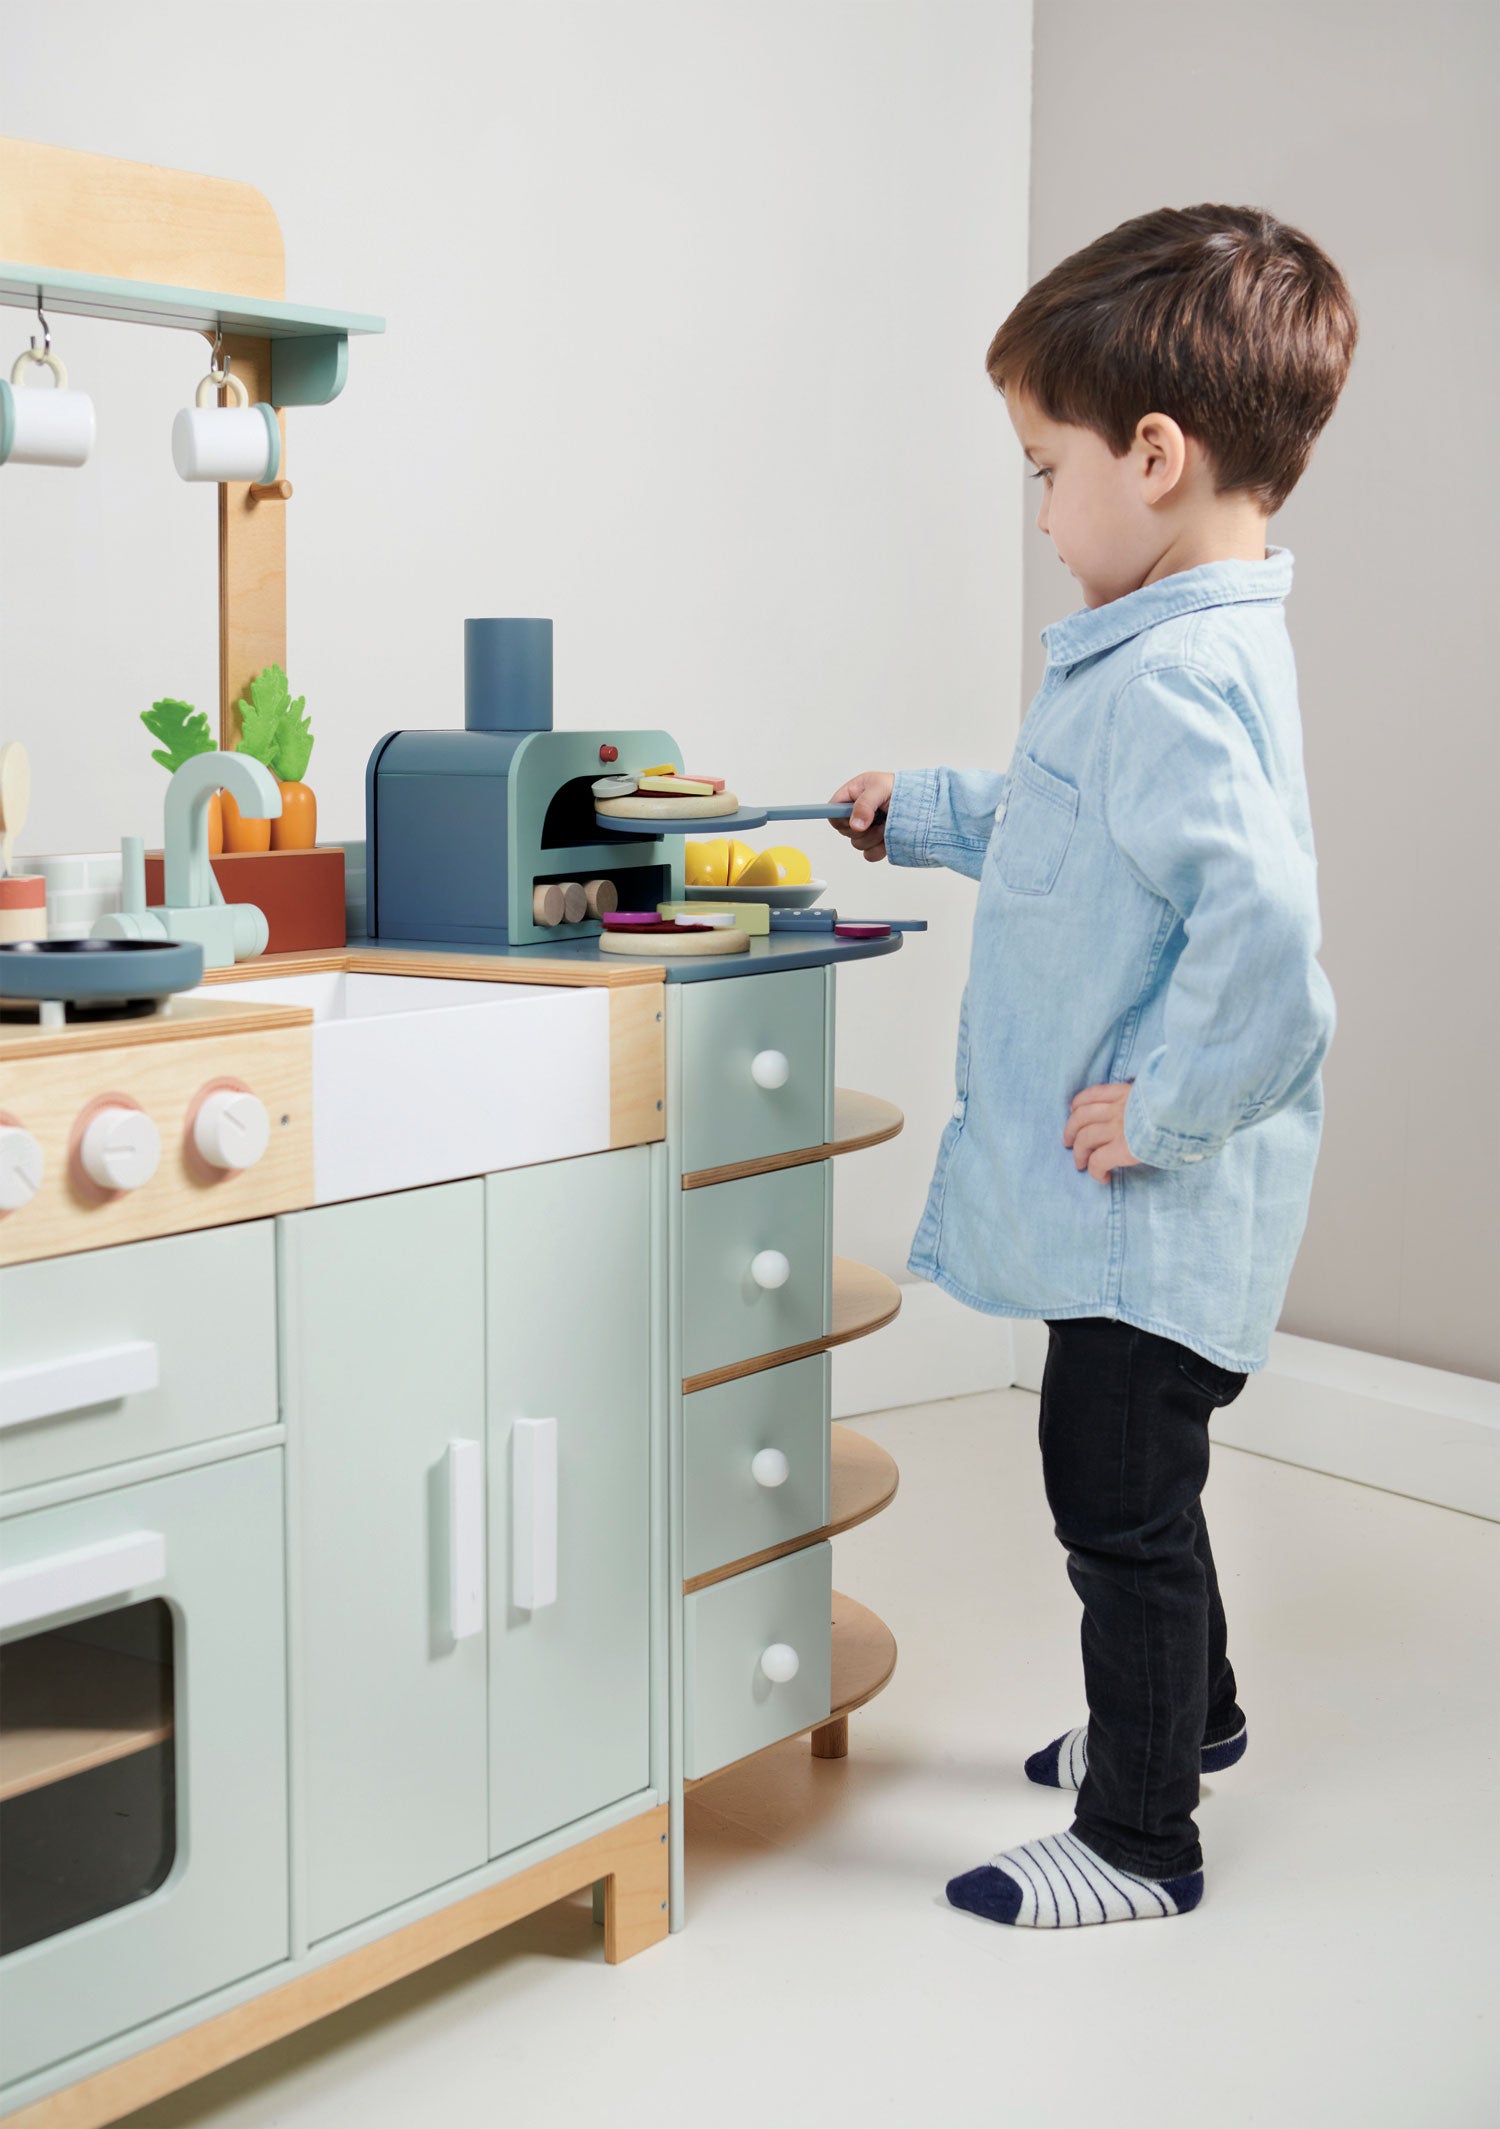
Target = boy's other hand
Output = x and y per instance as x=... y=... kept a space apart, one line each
x=1096 y=1131
x=865 y=827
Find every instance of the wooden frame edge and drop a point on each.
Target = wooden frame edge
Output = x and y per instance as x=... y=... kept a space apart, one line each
x=630 y=1858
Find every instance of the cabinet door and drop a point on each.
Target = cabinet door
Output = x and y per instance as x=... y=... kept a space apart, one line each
x=383 y=1323
x=568 y=1265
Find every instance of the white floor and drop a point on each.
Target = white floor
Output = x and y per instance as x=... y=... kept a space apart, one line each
x=1341 y=1974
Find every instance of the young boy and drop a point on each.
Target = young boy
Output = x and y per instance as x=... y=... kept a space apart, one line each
x=1138 y=1097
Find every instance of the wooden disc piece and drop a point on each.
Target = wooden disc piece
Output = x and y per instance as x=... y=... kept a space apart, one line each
x=602 y=897
x=575 y=902
x=673 y=945
x=548 y=904
x=668 y=809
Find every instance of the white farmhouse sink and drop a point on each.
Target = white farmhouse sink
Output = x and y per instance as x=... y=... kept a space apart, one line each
x=420 y=1079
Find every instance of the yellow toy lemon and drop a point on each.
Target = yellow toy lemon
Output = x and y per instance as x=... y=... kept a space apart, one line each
x=740 y=855
x=780 y=867
x=707 y=864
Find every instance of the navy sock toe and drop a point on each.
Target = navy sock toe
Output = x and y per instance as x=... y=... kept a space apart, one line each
x=1185 y=1892
x=1042 y=1766
x=987 y=1892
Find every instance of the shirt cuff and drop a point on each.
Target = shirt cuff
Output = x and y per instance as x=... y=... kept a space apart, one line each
x=1156 y=1147
x=909 y=816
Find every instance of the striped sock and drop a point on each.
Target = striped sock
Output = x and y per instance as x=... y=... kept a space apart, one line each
x=1058 y=1883
x=1062 y=1764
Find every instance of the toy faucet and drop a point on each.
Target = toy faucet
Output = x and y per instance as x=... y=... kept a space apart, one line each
x=193 y=907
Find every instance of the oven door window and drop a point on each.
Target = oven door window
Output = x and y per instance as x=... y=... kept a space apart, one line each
x=88 y=1804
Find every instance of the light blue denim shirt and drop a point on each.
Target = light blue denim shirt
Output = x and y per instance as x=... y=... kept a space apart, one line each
x=1147 y=912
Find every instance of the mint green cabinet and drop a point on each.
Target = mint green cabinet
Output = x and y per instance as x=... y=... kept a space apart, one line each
x=568 y=1269
x=382 y=1306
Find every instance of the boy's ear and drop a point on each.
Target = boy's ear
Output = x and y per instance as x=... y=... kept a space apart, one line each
x=1162 y=451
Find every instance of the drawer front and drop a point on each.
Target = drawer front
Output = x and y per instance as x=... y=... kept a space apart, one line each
x=733 y=1707
x=727 y=1114
x=729 y=1315
x=122 y=1353
x=736 y=1505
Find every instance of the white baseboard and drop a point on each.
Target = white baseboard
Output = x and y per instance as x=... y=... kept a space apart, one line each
x=1423 y=1432
x=1418 y=1431
x=936 y=1348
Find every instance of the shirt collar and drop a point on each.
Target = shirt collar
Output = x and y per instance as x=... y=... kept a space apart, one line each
x=1101 y=628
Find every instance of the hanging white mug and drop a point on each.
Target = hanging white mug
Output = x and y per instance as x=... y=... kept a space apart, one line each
x=238 y=443
x=54 y=427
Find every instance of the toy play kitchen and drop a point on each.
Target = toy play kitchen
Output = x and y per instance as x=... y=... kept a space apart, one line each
x=416 y=1468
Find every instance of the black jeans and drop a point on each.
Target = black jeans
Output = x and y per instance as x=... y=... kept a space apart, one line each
x=1124 y=1434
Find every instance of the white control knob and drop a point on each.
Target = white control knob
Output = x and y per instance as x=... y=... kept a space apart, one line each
x=769 y=1068
x=769 y=1467
x=120 y=1149
x=231 y=1129
x=20 y=1167
x=780 y=1662
x=770 y=1269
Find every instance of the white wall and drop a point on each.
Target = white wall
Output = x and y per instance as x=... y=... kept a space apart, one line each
x=1370 y=123
x=687 y=308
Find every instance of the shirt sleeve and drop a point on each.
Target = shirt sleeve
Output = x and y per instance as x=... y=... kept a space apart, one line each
x=1249 y=1013
x=943 y=817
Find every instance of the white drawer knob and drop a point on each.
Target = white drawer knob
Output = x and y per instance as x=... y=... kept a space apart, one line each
x=120 y=1149
x=769 y=1068
x=780 y=1662
x=20 y=1168
x=231 y=1129
x=770 y=1269
x=769 y=1467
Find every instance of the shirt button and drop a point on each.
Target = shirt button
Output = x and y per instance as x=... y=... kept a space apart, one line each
x=1192 y=1156
x=958 y=1112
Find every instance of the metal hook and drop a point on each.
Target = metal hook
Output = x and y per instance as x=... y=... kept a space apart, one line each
x=218 y=368
x=46 y=328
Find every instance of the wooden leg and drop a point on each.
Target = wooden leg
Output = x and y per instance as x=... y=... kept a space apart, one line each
x=832 y=1741
x=635 y=1892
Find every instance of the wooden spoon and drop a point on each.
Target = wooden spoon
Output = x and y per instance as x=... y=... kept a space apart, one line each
x=15 y=798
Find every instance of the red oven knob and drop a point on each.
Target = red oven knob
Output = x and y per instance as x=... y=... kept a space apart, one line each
x=609 y=753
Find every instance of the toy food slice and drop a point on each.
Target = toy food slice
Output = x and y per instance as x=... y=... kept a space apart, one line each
x=674 y=787
x=614 y=787
x=707 y=864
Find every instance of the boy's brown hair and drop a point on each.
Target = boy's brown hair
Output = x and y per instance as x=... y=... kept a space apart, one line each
x=1237 y=326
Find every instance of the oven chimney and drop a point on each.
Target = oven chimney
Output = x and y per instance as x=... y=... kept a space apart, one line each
x=508 y=676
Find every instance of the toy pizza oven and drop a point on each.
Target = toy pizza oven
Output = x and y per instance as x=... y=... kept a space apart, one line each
x=463 y=828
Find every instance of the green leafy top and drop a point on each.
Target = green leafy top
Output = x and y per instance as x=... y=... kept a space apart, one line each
x=182 y=730
x=273 y=728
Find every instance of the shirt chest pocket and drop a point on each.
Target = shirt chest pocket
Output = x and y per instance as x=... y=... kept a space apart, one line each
x=1032 y=838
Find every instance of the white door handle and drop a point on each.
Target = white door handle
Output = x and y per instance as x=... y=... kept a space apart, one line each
x=770 y=1269
x=39 y=1589
x=769 y=1467
x=49 y=1387
x=780 y=1662
x=533 y=1514
x=770 y=1068
x=465 y=1539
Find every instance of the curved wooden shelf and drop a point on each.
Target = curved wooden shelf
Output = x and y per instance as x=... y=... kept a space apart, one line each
x=863 y=1479
x=859 y=1120
x=864 y=1300
x=864 y=1657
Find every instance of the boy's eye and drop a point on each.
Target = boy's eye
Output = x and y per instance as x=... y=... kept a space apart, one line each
x=1042 y=473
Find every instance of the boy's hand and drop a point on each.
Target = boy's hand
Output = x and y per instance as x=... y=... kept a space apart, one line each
x=1096 y=1131
x=865 y=827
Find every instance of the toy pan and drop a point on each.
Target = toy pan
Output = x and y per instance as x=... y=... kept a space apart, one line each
x=722 y=823
x=101 y=971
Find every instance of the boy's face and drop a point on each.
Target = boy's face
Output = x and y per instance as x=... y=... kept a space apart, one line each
x=1096 y=508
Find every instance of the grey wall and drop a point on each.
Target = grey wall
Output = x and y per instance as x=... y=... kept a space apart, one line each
x=1371 y=125
x=686 y=301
